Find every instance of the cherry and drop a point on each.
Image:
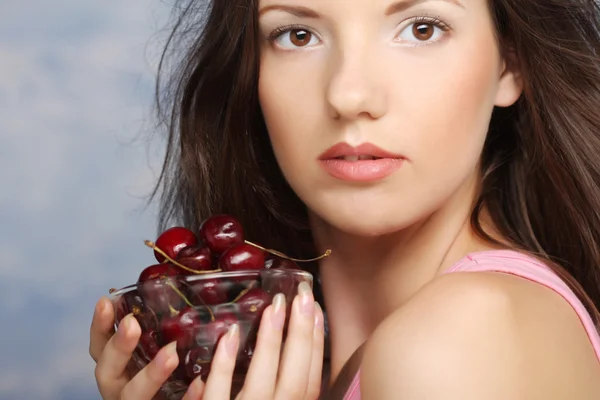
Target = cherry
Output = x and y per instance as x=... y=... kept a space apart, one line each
x=130 y=302
x=148 y=343
x=197 y=362
x=173 y=240
x=208 y=291
x=181 y=327
x=156 y=284
x=211 y=332
x=274 y=262
x=254 y=301
x=221 y=232
x=196 y=257
x=242 y=257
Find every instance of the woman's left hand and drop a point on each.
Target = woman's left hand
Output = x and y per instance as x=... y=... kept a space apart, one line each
x=294 y=374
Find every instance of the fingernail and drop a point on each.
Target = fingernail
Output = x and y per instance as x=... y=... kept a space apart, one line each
x=125 y=324
x=307 y=303
x=231 y=340
x=168 y=358
x=171 y=349
x=128 y=321
x=195 y=389
x=319 y=323
x=278 y=312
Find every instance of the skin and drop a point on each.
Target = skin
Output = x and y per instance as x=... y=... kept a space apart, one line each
x=360 y=78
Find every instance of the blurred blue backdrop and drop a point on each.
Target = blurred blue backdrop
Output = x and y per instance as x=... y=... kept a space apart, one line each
x=76 y=86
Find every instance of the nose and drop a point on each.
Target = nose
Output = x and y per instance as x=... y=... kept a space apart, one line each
x=353 y=90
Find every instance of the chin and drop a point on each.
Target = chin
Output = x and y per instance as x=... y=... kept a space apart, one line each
x=364 y=224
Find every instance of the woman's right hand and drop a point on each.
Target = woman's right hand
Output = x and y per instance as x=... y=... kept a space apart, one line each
x=113 y=351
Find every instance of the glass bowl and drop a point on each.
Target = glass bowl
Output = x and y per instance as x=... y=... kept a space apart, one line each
x=196 y=310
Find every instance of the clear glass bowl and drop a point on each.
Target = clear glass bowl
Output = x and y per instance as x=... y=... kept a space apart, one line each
x=196 y=310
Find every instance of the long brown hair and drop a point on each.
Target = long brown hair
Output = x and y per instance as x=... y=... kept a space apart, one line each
x=540 y=164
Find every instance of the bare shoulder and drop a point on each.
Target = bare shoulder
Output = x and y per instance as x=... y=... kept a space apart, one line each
x=481 y=336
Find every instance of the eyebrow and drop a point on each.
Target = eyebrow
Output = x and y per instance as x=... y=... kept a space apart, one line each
x=406 y=4
x=298 y=11
x=303 y=12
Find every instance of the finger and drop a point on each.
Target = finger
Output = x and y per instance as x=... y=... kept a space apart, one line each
x=262 y=374
x=195 y=390
x=146 y=383
x=111 y=368
x=296 y=360
x=218 y=383
x=102 y=327
x=315 y=375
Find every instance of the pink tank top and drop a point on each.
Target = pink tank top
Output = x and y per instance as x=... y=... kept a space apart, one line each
x=514 y=263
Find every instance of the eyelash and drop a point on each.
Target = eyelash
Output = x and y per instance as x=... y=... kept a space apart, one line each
x=280 y=30
x=433 y=21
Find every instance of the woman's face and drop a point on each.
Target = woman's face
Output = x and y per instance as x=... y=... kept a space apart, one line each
x=407 y=88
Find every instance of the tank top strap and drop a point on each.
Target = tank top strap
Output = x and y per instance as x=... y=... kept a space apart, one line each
x=532 y=269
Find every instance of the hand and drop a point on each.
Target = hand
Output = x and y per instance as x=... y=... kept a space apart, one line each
x=294 y=374
x=296 y=377
x=112 y=353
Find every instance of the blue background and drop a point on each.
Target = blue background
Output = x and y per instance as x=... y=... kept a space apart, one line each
x=78 y=156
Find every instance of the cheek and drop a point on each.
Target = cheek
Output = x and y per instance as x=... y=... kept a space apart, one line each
x=451 y=107
x=292 y=106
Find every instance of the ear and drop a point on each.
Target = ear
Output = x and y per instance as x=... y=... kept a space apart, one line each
x=510 y=85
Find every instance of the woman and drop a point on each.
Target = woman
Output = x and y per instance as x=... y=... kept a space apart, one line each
x=417 y=139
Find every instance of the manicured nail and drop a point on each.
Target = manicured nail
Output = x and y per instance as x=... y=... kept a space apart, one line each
x=196 y=388
x=319 y=323
x=129 y=321
x=232 y=340
x=278 y=312
x=168 y=358
x=171 y=349
x=125 y=324
x=307 y=303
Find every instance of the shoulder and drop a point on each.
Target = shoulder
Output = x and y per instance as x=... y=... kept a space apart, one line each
x=481 y=335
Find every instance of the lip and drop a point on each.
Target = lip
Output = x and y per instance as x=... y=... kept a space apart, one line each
x=385 y=164
x=366 y=149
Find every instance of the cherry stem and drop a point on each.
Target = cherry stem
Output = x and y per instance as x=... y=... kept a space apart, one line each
x=280 y=254
x=175 y=312
x=212 y=316
x=154 y=247
x=243 y=292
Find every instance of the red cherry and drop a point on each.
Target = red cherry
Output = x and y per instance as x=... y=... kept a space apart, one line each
x=149 y=344
x=208 y=292
x=197 y=362
x=173 y=240
x=221 y=232
x=274 y=262
x=130 y=302
x=254 y=301
x=181 y=327
x=198 y=258
x=211 y=332
x=153 y=285
x=242 y=257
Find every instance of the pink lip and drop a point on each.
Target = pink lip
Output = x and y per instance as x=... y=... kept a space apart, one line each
x=362 y=170
x=365 y=149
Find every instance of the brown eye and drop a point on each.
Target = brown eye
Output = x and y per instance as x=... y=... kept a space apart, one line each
x=423 y=31
x=300 y=37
